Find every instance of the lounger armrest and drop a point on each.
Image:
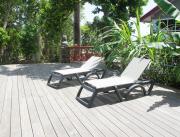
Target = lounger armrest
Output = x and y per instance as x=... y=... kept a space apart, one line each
x=96 y=72
x=145 y=82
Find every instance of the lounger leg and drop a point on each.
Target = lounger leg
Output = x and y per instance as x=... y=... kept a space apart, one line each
x=87 y=104
x=92 y=99
x=79 y=92
x=151 y=87
x=103 y=74
x=59 y=84
x=49 y=80
x=97 y=75
x=52 y=85
x=118 y=95
x=78 y=78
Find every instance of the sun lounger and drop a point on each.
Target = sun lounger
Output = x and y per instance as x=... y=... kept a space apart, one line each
x=129 y=80
x=89 y=66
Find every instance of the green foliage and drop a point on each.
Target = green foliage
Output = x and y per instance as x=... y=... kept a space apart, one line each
x=115 y=42
x=168 y=8
x=4 y=38
x=86 y=35
x=118 y=9
x=14 y=45
x=90 y=31
x=29 y=41
x=118 y=49
x=55 y=21
x=35 y=28
x=9 y=12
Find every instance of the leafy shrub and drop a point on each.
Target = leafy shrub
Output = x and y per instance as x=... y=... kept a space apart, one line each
x=29 y=41
x=117 y=46
x=4 y=38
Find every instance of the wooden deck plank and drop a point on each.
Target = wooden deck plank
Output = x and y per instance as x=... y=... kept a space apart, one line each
x=5 y=126
x=24 y=108
x=15 y=112
x=156 y=133
x=33 y=114
x=86 y=123
x=96 y=122
x=166 y=115
x=121 y=129
x=168 y=120
x=62 y=118
x=70 y=128
x=139 y=127
x=28 y=107
x=4 y=79
x=95 y=117
x=81 y=117
x=72 y=117
x=130 y=110
x=119 y=126
x=166 y=128
x=132 y=126
x=86 y=119
x=58 y=127
x=154 y=103
x=42 y=113
x=58 y=107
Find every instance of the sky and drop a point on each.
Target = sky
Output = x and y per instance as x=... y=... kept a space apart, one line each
x=89 y=16
x=87 y=13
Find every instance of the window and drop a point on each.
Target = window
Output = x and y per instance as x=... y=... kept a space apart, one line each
x=167 y=24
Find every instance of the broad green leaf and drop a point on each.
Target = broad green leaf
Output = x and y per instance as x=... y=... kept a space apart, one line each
x=168 y=8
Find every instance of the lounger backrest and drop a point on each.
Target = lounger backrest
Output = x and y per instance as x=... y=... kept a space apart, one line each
x=92 y=63
x=135 y=68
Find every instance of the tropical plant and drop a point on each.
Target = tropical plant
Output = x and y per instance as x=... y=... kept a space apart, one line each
x=117 y=46
x=169 y=8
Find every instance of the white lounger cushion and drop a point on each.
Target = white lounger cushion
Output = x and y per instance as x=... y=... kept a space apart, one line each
x=72 y=71
x=109 y=82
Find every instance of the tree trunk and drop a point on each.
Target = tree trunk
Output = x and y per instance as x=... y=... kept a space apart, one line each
x=77 y=32
x=39 y=50
x=7 y=13
x=5 y=22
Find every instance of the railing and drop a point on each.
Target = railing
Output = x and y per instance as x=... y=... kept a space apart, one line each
x=77 y=53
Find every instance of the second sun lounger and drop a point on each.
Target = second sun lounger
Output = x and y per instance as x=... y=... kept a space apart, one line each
x=89 y=66
x=127 y=80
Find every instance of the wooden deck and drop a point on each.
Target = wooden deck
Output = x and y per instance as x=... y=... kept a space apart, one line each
x=29 y=108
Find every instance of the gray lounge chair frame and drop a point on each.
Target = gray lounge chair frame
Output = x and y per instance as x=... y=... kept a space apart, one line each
x=89 y=66
x=140 y=64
